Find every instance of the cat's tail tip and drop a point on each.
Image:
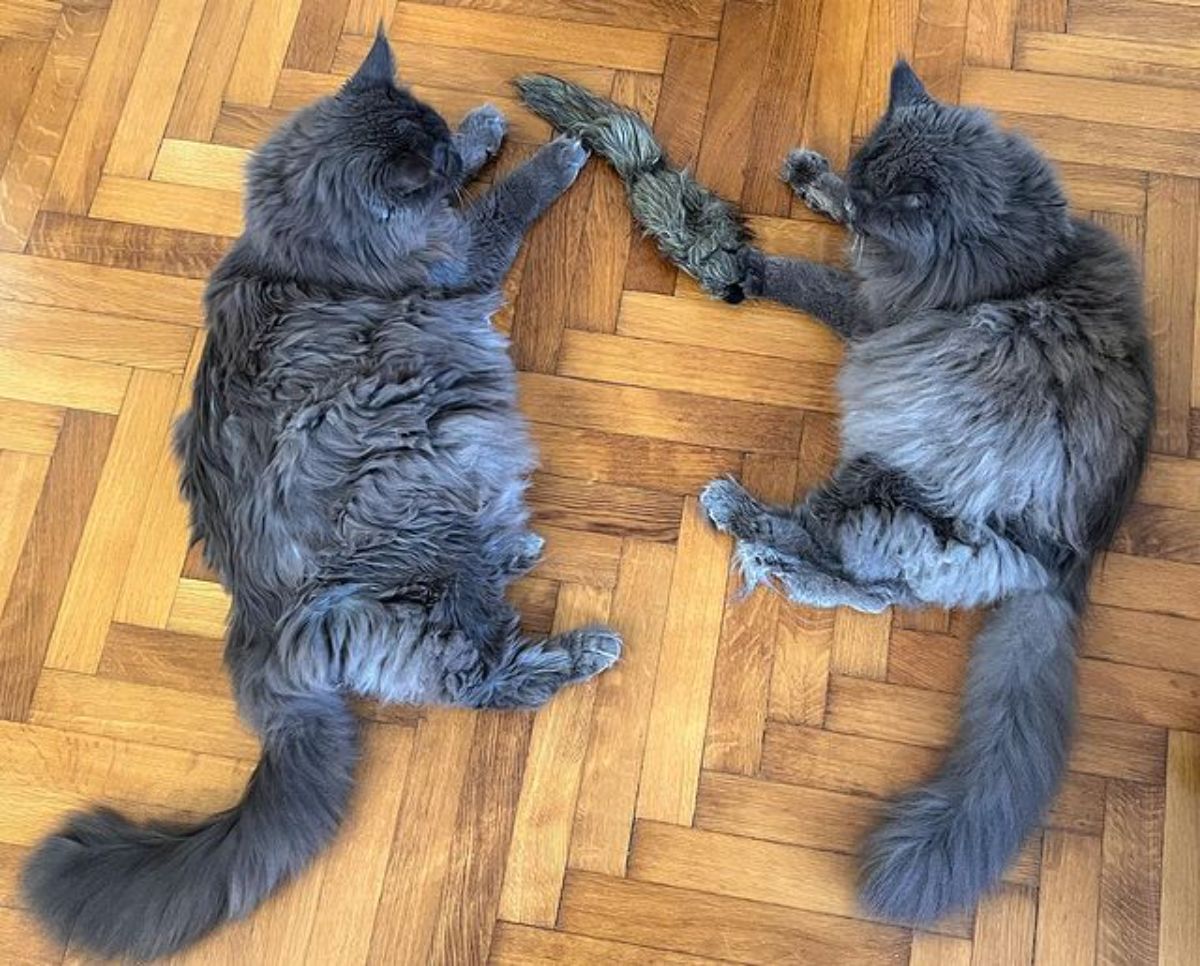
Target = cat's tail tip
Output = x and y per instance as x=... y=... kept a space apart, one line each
x=917 y=866
x=942 y=846
x=117 y=888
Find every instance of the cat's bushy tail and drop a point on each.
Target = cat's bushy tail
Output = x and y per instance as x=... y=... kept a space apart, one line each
x=697 y=230
x=121 y=889
x=943 y=844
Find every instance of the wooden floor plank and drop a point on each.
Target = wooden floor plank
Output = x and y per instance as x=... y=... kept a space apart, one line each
x=1130 y=880
x=1179 y=930
x=679 y=710
x=98 y=110
x=90 y=598
x=1068 y=899
x=44 y=566
x=608 y=790
x=704 y=923
x=545 y=813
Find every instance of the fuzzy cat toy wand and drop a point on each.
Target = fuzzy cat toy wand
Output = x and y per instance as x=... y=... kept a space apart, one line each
x=697 y=230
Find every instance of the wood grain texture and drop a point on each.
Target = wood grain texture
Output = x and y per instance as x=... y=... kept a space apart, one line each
x=705 y=799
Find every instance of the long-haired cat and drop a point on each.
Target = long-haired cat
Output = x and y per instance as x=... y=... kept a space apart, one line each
x=997 y=400
x=356 y=464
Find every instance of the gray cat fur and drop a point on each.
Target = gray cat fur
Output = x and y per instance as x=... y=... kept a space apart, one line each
x=997 y=401
x=697 y=230
x=355 y=463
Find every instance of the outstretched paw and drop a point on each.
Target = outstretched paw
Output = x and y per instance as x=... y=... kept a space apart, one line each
x=484 y=129
x=526 y=553
x=593 y=649
x=729 y=507
x=566 y=156
x=802 y=167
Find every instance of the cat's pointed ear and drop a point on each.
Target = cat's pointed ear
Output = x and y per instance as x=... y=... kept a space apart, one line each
x=378 y=69
x=906 y=87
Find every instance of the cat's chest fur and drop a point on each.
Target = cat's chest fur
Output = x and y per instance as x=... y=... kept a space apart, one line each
x=965 y=404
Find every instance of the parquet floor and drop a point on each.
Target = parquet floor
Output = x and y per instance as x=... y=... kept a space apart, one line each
x=702 y=801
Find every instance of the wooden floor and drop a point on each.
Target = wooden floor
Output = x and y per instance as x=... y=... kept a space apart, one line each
x=703 y=800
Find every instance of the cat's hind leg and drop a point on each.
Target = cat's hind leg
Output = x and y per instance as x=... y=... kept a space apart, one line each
x=863 y=540
x=526 y=673
x=465 y=648
x=775 y=546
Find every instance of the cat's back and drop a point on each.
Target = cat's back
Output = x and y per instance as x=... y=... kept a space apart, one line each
x=1013 y=407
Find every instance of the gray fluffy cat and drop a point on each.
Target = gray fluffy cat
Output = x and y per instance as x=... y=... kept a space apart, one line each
x=356 y=466
x=997 y=402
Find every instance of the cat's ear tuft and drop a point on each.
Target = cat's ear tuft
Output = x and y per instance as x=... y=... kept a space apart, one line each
x=378 y=69
x=906 y=87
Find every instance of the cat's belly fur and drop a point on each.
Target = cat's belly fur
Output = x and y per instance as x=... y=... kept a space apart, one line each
x=967 y=413
x=381 y=430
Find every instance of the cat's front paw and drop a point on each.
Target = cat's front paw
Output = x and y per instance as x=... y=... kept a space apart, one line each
x=802 y=168
x=751 y=276
x=566 y=156
x=485 y=128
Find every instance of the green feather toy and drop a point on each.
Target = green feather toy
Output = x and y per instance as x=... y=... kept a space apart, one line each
x=697 y=230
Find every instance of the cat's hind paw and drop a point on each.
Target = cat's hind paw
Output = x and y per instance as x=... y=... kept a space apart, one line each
x=729 y=507
x=592 y=650
x=526 y=553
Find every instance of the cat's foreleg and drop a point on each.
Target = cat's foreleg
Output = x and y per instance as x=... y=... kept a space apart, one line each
x=478 y=138
x=828 y=293
x=499 y=220
x=809 y=176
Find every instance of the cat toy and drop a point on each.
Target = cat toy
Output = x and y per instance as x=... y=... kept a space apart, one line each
x=696 y=229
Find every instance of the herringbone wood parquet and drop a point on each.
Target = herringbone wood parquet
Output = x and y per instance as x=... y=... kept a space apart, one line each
x=702 y=801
